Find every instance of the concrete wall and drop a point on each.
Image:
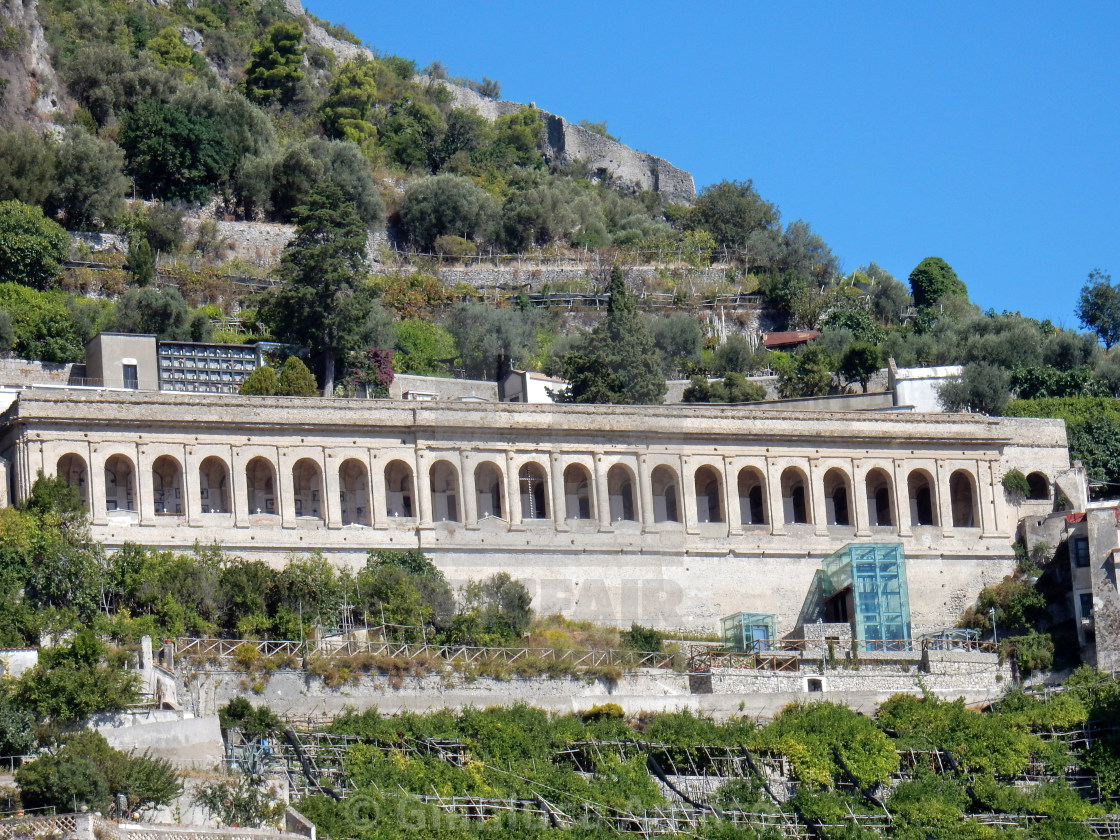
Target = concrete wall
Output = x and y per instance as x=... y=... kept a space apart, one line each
x=917 y=387
x=15 y=661
x=408 y=387
x=108 y=353
x=185 y=740
x=21 y=372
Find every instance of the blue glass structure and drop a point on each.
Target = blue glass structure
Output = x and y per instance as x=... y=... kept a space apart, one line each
x=876 y=575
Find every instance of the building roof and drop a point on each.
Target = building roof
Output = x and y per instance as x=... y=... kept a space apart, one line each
x=788 y=339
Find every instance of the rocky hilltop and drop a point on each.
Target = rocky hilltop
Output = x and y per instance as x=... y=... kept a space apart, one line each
x=565 y=143
x=29 y=89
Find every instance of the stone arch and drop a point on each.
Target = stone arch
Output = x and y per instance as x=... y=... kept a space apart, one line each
x=795 y=497
x=120 y=483
x=307 y=483
x=260 y=486
x=837 y=498
x=490 y=490
x=577 y=492
x=213 y=485
x=880 y=499
x=72 y=468
x=666 y=495
x=398 y=490
x=533 y=483
x=443 y=479
x=752 y=496
x=353 y=492
x=923 y=499
x=1039 y=486
x=962 y=497
x=709 y=495
x=167 y=486
x=620 y=491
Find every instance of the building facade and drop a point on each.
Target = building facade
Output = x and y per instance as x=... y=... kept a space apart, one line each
x=674 y=516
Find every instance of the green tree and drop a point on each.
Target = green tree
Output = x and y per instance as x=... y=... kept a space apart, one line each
x=807 y=374
x=72 y=681
x=1098 y=307
x=91 y=186
x=42 y=325
x=980 y=387
x=320 y=268
x=31 y=246
x=172 y=154
x=492 y=341
x=274 y=73
x=141 y=260
x=932 y=279
x=679 y=340
x=411 y=134
x=860 y=362
x=731 y=211
x=28 y=166
x=445 y=204
x=262 y=382
x=617 y=361
x=295 y=380
x=347 y=109
x=161 y=312
x=423 y=349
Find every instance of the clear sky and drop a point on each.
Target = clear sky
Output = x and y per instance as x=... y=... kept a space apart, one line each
x=983 y=133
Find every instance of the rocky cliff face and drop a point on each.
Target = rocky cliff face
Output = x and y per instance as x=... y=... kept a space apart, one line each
x=29 y=90
x=606 y=160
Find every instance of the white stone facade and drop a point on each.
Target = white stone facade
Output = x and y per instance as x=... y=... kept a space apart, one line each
x=672 y=516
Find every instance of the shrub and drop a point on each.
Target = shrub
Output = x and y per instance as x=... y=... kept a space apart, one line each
x=295 y=380
x=262 y=382
x=1016 y=484
x=641 y=638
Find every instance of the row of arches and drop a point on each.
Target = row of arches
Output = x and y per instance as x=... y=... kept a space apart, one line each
x=532 y=493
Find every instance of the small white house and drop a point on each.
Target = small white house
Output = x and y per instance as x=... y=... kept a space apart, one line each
x=525 y=386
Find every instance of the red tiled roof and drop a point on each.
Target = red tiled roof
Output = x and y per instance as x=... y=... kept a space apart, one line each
x=786 y=339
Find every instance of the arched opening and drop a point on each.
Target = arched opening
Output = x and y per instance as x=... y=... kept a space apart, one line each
x=398 y=489
x=1039 y=487
x=488 y=489
x=962 y=497
x=620 y=491
x=577 y=492
x=837 y=508
x=72 y=468
x=665 y=494
x=923 y=503
x=709 y=504
x=795 y=502
x=307 y=480
x=260 y=486
x=213 y=485
x=752 y=498
x=444 y=481
x=353 y=492
x=167 y=486
x=534 y=492
x=120 y=484
x=879 y=504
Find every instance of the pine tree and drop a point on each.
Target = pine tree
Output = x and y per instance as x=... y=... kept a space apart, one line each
x=260 y=383
x=618 y=361
x=296 y=380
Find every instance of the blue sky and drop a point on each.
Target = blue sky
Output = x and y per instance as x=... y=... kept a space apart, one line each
x=983 y=133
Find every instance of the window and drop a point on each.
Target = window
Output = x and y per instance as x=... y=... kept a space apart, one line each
x=131 y=377
x=1079 y=550
x=1086 y=603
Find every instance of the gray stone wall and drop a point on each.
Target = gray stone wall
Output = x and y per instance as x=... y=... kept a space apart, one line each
x=16 y=373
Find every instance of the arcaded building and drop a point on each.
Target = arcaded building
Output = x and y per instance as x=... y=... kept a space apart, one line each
x=666 y=515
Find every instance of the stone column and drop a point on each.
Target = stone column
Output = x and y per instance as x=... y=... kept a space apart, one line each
x=987 y=499
x=470 y=492
x=901 y=499
x=602 y=493
x=192 y=504
x=238 y=489
x=816 y=497
x=775 y=507
x=944 y=499
x=688 y=496
x=285 y=489
x=378 y=506
x=423 y=486
x=332 y=488
x=645 y=493
x=145 y=487
x=559 y=502
x=513 y=493
x=859 y=499
x=95 y=465
x=731 y=513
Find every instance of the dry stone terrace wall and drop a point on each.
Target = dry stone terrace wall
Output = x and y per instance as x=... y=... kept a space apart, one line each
x=671 y=516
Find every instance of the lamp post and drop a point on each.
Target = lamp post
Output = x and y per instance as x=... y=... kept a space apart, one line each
x=995 y=632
